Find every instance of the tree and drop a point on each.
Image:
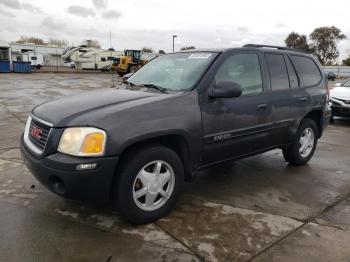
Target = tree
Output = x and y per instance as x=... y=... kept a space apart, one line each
x=294 y=40
x=187 y=48
x=92 y=43
x=147 y=50
x=26 y=39
x=58 y=42
x=346 y=61
x=162 y=52
x=324 y=43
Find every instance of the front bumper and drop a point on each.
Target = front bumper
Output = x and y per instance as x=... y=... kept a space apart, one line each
x=340 y=110
x=58 y=173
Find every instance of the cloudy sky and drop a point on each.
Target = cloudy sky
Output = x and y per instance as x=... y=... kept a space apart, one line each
x=151 y=23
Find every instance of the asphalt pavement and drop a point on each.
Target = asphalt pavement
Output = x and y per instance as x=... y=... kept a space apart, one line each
x=256 y=209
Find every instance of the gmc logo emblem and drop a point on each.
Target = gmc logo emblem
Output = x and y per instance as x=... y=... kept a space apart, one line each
x=36 y=132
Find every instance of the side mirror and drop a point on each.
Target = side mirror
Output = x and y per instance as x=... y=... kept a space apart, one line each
x=126 y=77
x=337 y=85
x=225 y=89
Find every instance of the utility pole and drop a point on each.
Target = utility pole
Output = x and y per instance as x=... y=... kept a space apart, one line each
x=174 y=36
x=114 y=80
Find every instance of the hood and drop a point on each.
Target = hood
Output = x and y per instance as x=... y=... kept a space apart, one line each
x=62 y=112
x=340 y=92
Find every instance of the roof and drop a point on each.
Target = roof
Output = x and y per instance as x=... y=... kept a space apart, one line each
x=4 y=43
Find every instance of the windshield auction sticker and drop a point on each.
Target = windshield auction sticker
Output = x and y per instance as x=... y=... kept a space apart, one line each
x=199 y=55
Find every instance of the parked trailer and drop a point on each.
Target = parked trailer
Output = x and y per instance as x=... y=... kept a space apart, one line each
x=36 y=59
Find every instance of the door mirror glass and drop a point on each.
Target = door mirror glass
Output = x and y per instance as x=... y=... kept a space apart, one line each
x=225 y=89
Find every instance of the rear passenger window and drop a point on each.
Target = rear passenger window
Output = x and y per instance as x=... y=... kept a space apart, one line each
x=308 y=70
x=293 y=78
x=243 y=69
x=278 y=71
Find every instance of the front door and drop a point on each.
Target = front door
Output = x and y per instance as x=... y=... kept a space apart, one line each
x=234 y=127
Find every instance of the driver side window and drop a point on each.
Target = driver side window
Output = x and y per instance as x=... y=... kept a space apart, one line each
x=243 y=69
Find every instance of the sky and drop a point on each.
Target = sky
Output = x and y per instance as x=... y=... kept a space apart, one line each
x=152 y=23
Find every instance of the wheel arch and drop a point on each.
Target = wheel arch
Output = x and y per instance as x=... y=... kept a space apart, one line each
x=317 y=116
x=177 y=141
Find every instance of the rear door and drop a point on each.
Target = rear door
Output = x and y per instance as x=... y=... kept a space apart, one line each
x=289 y=100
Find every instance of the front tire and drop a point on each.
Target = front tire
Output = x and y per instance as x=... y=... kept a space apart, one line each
x=304 y=144
x=148 y=183
x=132 y=69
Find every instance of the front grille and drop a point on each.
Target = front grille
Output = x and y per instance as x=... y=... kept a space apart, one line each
x=345 y=101
x=38 y=134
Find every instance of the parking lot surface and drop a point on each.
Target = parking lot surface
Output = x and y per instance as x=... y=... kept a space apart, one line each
x=256 y=209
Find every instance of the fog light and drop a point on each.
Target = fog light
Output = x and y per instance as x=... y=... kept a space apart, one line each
x=86 y=166
x=57 y=185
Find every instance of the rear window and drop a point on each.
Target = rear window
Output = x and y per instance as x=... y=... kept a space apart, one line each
x=308 y=70
x=278 y=71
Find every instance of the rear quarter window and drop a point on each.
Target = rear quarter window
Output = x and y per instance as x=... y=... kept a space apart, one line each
x=308 y=70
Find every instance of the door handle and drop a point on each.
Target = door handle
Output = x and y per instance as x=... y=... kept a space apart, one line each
x=303 y=99
x=261 y=106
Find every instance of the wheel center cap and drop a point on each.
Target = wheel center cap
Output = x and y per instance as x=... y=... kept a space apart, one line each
x=155 y=186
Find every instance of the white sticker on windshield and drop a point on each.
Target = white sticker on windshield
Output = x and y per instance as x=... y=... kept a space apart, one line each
x=199 y=55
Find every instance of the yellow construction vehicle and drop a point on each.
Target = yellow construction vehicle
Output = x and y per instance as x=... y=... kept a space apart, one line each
x=130 y=62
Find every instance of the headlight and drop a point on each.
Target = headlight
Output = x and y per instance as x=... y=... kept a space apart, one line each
x=83 y=141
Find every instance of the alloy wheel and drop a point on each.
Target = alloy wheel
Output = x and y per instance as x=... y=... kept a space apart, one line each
x=306 y=142
x=153 y=185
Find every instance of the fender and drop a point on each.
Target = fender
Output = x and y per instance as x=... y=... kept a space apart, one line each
x=150 y=136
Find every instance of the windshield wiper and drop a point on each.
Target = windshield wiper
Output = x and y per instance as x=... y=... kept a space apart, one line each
x=159 y=88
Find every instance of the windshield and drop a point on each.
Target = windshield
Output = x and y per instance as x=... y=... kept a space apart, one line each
x=346 y=83
x=174 y=72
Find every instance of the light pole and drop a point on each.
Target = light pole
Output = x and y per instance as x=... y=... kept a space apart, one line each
x=174 y=36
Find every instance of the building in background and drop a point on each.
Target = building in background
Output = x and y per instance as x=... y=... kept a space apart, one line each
x=52 y=55
x=4 y=50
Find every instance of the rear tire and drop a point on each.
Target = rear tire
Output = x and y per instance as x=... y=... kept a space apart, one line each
x=148 y=184
x=304 y=144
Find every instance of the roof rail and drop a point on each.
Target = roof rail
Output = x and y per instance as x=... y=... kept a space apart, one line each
x=276 y=47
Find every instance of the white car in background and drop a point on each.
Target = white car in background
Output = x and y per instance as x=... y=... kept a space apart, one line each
x=340 y=99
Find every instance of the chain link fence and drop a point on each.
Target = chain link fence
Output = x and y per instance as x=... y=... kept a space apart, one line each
x=340 y=71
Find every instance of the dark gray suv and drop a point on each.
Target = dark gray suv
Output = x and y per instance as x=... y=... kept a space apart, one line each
x=180 y=113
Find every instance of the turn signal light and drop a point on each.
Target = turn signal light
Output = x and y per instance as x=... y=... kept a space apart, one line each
x=93 y=143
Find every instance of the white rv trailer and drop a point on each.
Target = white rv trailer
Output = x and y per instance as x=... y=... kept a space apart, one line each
x=90 y=58
x=35 y=59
